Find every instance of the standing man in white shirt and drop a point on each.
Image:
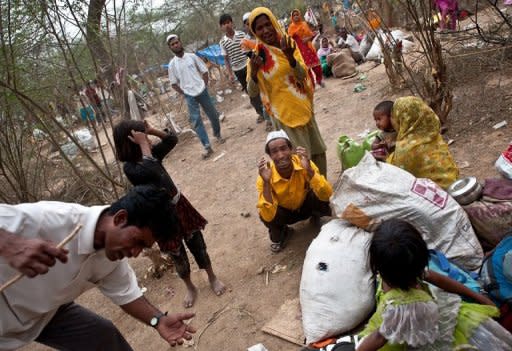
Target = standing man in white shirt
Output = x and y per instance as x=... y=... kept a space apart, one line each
x=40 y=307
x=189 y=77
x=236 y=61
x=347 y=40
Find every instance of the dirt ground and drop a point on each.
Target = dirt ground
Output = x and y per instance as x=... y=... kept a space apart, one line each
x=223 y=190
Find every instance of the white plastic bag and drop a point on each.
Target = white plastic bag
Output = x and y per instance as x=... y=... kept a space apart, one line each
x=375 y=191
x=337 y=290
x=70 y=150
x=85 y=139
x=375 y=52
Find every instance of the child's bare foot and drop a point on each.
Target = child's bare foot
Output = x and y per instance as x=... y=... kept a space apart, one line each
x=190 y=298
x=217 y=286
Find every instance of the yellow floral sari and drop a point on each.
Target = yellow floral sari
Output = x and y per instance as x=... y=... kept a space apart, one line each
x=420 y=149
x=286 y=99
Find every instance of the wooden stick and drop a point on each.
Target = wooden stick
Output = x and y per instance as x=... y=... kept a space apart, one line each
x=66 y=240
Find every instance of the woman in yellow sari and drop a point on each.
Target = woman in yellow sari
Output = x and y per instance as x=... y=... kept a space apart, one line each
x=277 y=72
x=300 y=32
x=420 y=149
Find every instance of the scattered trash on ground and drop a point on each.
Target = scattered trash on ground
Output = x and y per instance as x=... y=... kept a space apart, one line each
x=188 y=343
x=278 y=268
x=257 y=347
x=500 y=125
x=364 y=133
x=359 y=87
x=463 y=164
x=219 y=156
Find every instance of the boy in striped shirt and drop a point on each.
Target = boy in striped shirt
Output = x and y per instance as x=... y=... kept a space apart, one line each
x=236 y=60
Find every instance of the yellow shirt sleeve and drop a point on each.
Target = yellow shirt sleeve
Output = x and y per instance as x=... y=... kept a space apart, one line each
x=320 y=186
x=267 y=210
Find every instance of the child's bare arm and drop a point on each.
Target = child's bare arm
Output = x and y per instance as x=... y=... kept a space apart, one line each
x=453 y=286
x=372 y=342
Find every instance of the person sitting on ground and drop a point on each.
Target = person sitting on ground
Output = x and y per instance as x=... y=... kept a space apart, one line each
x=347 y=40
x=188 y=75
x=326 y=48
x=384 y=143
x=290 y=188
x=278 y=73
x=41 y=307
x=413 y=315
x=143 y=165
x=420 y=148
x=300 y=32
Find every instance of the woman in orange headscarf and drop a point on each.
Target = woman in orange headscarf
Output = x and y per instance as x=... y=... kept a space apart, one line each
x=303 y=36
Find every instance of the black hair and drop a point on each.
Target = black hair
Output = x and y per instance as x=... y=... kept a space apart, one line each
x=384 y=107
x=126 y=150
x=149 y=207
x=254 y=21
x=398 y=253
x=224 y=18
x=267 y=149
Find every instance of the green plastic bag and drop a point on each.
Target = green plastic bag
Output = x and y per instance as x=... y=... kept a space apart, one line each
x=350 y=152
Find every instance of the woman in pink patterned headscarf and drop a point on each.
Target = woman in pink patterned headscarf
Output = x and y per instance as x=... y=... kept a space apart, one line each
x=447 y=8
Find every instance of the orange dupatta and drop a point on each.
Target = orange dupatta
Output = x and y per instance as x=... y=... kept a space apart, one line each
x=300 y=29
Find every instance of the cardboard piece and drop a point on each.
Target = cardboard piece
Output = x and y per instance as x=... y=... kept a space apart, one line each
x=287 y=323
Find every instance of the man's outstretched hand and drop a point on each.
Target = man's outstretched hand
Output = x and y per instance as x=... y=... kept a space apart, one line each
x=174 y=330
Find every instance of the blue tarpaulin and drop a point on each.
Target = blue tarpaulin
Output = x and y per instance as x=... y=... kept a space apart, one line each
x=212 y=53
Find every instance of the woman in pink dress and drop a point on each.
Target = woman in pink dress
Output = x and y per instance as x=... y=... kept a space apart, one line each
x=447 y=8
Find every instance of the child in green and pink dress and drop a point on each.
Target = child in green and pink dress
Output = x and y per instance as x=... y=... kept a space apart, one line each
x=412 y=314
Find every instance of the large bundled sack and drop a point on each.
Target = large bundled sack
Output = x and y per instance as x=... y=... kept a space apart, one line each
x=342 y=64
x=337 y=290
x=390 y=39
x=491 y=221
x=375 y=191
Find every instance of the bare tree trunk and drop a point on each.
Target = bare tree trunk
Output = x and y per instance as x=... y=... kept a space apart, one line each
x=387 y=13
x=95 y=44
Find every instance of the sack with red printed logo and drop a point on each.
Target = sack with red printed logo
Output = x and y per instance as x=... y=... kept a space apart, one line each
x=372 y=192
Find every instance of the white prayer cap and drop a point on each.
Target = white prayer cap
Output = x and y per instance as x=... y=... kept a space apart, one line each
x=276 y=134
x=170 y=37
x=246 y=16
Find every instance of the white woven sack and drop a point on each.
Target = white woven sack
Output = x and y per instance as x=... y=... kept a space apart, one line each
x=337 y=290
x=375 y=191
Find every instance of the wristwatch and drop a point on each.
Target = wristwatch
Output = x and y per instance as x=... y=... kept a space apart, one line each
x=154 y=321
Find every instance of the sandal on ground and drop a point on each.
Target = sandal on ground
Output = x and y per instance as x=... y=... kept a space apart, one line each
x=275 y=247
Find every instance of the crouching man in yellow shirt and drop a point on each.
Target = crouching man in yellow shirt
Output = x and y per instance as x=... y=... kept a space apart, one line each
x=290 y=188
